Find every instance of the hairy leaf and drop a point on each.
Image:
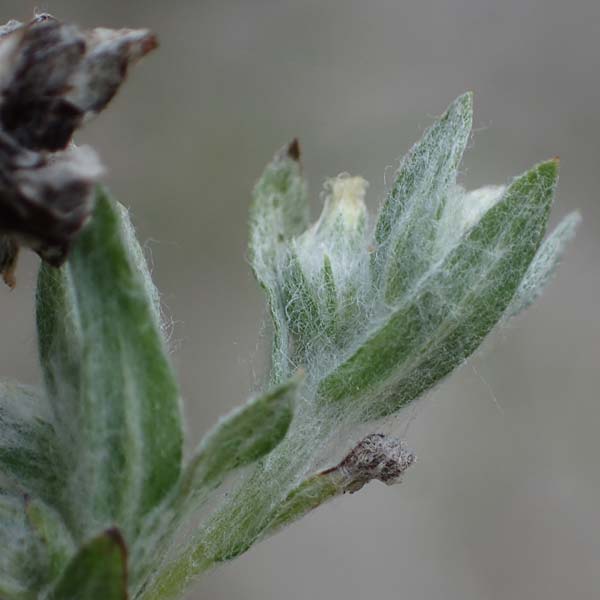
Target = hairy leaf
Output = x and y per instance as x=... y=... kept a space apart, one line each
x=29 y=454
x=302 y=310
x=407 y=221
x=244 y=436
x=453 y=308
x=108 y=377
x=544 y=264
x=279 y=211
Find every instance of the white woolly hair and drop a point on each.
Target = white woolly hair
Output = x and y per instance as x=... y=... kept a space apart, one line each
x=331 y=305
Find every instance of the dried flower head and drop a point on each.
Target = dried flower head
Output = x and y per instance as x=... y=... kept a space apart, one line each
x=53 y=77
x=375 y=457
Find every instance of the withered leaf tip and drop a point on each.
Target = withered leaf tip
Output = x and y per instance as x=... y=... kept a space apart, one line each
x=293 y=150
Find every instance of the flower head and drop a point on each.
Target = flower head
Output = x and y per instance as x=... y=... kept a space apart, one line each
x=53 y=77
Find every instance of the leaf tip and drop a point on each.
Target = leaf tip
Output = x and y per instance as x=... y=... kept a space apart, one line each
x=463 y=105
x=549 y=168
x=114 y=534
x=114 y=537
x=293 y=150
x=467 y=98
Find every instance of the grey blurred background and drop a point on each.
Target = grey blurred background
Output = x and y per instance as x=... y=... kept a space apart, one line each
x=504 y=502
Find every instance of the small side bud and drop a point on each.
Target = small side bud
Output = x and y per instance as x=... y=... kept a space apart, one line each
x=345 y=212
x=375 y=457
x=340 y=231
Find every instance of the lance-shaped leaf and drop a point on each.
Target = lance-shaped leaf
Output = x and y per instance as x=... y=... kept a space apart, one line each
x=406 y=227
x=375 y=457
x=544 y=264
x=109 y=379
x=447 y=316
x=279 y=212
x=242 y=437
x=97 y=572
x=29 y=454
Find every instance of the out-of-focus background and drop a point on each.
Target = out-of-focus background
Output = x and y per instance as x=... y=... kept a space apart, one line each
x=504 y=502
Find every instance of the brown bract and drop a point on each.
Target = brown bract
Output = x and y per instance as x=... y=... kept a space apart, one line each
x=53 y=77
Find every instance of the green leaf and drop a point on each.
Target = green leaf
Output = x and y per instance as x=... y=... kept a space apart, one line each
x=251 y=517
x=462 y=211
x=56 y=541
x=97 y=572
x=330 y=299
x=304 y=317
x=544 y=264
x=447 y=316
x=243 y=436
x=140 y=264
x=29 y=455
x=239 y=439
x=108 y=377
x=407 y=221
x=307 y=496
x=279 y=211
x=172 y=578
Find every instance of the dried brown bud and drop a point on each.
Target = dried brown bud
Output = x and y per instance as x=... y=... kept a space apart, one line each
x=45 y=199
x=38 y=62
x=108 y=56
x=375 y=457
x=52 y=78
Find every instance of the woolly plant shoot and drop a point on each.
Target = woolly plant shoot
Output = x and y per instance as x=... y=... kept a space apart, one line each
x=97 y=500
